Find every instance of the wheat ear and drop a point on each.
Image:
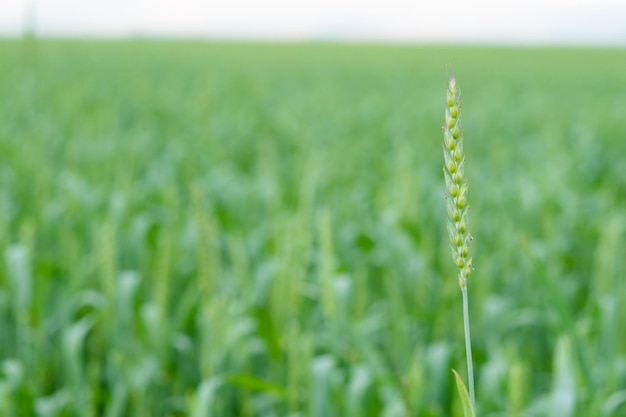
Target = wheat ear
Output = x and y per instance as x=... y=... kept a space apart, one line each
x=456 y=203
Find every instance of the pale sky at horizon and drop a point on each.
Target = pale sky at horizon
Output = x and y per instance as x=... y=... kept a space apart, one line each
x=586 y=22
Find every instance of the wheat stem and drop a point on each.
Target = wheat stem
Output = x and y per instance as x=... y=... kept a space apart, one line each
x=468 y=346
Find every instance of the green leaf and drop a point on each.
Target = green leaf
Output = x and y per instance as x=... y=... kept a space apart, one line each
x=257 y=384
x=468 y=410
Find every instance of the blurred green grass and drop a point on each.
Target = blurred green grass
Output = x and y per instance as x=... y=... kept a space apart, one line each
x=212 y=229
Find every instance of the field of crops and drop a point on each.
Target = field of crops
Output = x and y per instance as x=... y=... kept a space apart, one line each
x=238 y=230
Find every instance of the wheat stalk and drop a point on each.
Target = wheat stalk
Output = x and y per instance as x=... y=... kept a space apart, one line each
x=457 y=206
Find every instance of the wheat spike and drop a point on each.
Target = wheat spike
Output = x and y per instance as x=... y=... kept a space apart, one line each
x=456 y=183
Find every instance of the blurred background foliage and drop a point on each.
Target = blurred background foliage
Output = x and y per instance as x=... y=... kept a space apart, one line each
x=205 y=229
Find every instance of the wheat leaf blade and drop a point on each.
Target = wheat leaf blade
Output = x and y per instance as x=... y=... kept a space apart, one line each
x=468 y=411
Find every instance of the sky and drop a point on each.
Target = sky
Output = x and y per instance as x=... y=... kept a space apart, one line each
x=578 y=22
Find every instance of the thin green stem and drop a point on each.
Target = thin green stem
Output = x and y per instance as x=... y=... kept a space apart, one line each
x=468 y=346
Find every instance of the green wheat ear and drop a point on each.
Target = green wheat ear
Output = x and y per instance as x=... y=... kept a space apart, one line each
x=456 y=183
x=456 y=203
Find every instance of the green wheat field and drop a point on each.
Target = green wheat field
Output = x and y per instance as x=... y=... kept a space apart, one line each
x=236 y=230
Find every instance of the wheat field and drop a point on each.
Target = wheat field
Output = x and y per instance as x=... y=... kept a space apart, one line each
x=236 y=230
